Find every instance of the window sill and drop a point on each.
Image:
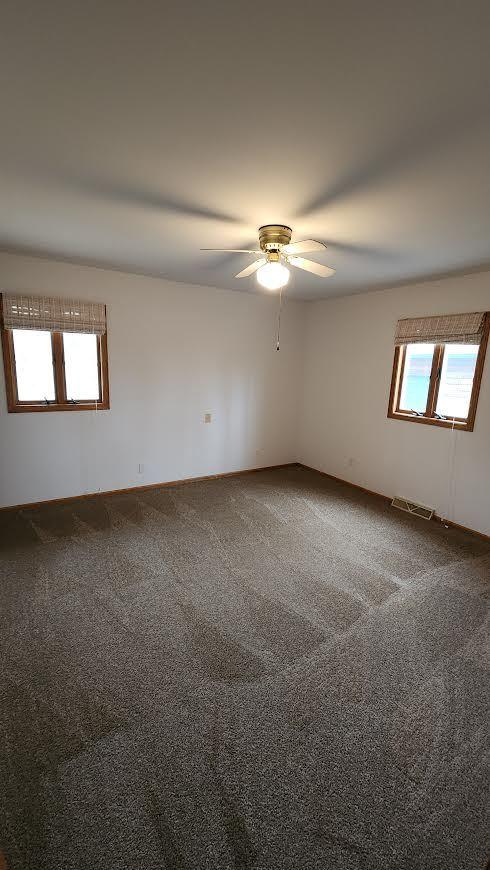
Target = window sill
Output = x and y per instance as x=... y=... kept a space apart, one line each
x=82 y=406
x=462 y=426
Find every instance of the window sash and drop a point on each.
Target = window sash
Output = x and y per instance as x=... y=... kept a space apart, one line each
x=399 y=407
x=69 y=370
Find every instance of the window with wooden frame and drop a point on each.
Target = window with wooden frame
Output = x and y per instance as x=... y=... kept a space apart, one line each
x=54 y=354
x=437 y=369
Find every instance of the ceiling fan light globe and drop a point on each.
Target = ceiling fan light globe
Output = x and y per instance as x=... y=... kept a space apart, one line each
x=273 y=276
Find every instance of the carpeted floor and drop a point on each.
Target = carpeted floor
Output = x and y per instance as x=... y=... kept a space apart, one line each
x=267 y=671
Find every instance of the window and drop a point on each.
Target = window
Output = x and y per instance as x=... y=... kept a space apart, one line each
x=53 y=369
x=438 y=382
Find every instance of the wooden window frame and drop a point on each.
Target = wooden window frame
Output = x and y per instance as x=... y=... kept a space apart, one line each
x=60 y=403
x=395 y=412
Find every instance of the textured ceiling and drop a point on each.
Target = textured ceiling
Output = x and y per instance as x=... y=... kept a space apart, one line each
x=135 y=133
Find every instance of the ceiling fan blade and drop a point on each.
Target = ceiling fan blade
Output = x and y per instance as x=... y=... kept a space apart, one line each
x=231 y=250
x=309 y=266
x=305 y=247
x=251 y=269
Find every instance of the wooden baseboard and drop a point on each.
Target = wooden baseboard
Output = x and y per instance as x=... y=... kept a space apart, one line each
x=346 y=482
x=169 y=483
x=461 y=528
x=388 y=498
x=70 y=498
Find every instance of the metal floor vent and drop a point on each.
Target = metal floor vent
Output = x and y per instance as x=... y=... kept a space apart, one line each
x=412 y=507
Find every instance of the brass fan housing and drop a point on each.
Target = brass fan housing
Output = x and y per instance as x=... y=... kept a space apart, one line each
x=273 y=236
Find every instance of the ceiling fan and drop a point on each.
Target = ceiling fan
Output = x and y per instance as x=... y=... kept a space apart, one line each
x=277 y=252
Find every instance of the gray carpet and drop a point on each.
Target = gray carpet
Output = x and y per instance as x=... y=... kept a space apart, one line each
x=268 y=671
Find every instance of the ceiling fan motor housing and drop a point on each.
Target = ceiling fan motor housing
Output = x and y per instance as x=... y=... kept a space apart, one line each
x=273 y=236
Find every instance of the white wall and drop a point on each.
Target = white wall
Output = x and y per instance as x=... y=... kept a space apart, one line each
x=175 y=352
x=344 y=428
x=321 y=400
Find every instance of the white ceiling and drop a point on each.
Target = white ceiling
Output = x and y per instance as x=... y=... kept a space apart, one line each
x=135 y=133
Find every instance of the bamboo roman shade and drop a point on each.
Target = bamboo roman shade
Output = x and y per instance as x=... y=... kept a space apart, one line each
x=53 y=314
x=446 y=329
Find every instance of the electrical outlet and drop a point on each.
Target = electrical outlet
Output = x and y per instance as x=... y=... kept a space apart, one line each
x=207 y=418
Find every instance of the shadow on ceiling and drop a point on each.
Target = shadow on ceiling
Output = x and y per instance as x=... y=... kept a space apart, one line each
x=405 y=150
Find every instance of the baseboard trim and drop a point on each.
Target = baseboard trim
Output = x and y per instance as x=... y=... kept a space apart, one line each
x=169 y=483
x=387 y=498
x=146 y=486
x=346 y=482
x=461 y=528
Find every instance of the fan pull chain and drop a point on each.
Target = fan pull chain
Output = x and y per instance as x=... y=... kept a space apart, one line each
x=279 y=321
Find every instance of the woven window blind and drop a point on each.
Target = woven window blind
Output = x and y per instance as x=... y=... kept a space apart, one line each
x=52 y=314
x=447 y=329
